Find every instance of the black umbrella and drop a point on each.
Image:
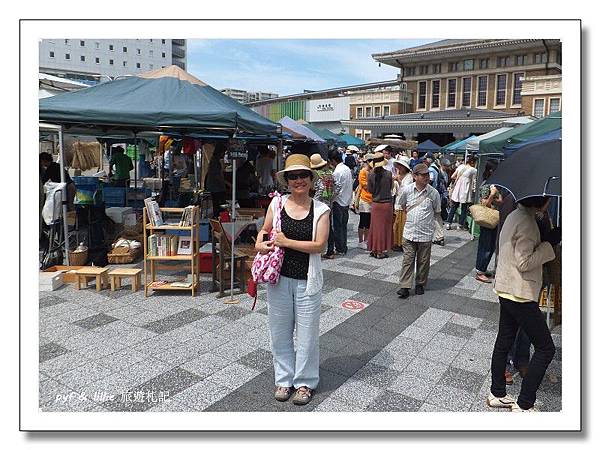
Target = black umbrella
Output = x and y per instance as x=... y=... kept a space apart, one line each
x=533 y=170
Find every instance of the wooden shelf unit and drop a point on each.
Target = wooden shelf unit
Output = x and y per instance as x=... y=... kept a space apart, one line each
x=150 y=261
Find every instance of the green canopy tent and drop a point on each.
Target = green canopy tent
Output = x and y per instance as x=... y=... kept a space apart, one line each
x=325 y=134
x=352 y=140
x=495 y=144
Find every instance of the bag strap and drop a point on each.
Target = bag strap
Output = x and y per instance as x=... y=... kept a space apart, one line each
x=417 y=203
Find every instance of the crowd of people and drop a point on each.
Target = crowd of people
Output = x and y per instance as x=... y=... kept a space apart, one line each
x=402 y=203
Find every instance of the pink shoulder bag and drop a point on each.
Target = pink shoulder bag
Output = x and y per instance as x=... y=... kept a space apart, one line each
x=266 y=267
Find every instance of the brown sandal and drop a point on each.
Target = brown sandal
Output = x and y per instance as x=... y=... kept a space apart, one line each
x=282 y=394
x=302 y=396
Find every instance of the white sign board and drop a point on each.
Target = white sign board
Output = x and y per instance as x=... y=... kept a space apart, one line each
x=329 y=109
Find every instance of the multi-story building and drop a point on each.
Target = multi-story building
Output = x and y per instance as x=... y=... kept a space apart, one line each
x=243 y=96
x=468 y=86
x=89 y=60
x=327 y=108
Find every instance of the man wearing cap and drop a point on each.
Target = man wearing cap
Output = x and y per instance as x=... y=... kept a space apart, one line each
x=340 y=203
x=435 y=180
x=421 y=203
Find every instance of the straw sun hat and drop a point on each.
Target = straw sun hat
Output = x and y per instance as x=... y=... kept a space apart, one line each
x=316 y=162
x=295 y=162
x=378 y=160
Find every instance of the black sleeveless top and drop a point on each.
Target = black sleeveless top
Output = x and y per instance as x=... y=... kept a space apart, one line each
x=295 y=263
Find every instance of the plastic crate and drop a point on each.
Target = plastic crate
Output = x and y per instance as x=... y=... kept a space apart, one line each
x=204 y=231
x=114 y=196
x=89 y=183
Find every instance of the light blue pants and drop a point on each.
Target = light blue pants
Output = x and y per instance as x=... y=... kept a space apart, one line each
x=289 y=308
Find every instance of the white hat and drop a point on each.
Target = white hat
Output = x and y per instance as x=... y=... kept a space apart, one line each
x=354 y=148
x=380 y=148
x=403 y=160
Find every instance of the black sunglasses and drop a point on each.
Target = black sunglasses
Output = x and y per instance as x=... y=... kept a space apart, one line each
x=296 y=175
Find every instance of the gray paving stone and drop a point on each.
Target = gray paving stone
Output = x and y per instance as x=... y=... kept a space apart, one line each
x=82 y=375
x=95 y=321
x=233 y=350
x=258 y=359
x=233 y=376
x=376 y=375
x=51 y=350
x=412 y=386
x=201 y=395
x=447 y=341
x=466 y=321
x=63 y=363
x=454 y=329
x=434 y=352
x=101 y=349
x=450 y=398
x=233 y=313
x=50 y=300
x=418 y=334
x=462 y=379
x=427 y=407
x=170 y=405
x=408 y=346
x=144 y=370
x=473 y=362
x=390 y=401
x=175 y=321
x=357 y=393
x=112 y=385
x=206 y=364
x=335 y=404
x=423 y=368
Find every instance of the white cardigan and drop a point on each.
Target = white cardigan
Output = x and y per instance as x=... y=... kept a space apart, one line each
x=314 y=282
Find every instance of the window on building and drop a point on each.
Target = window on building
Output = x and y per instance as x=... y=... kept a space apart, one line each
x=82 y=43
x=368 y=111
x=540 y=58
x=151 y=41
x=151 y=52
x=435 y=94
x=111 y=48
x=97 y=60
x=517 y=84
x=164 y=41
x=67 y=56
x=67 y=42
x=51 y=54
x=423 y=70
x=484 y=63
x=124 y=49
x=358 y=133
x=367 y=135
x=111 y=62
x=502 y=61
x=97 y=45
x=482 y=90
x=520 y=60
x=124 y=63
x=559 y=58
x=138 y=65
x=82 y=58
x=422 y=94
x=386 y=110
x=164 y=55
x=377 y=111
x=501 y=89
x=466 y=96
x=139 y=51
x=538 y=107
x=451 y=101
x=554 y=105
x=437 y=68
x=359 y=112
x=151 y=66
x=468 y=64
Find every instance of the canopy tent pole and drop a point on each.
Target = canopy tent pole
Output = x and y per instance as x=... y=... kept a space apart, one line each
x=61 y=157
x=135 y=158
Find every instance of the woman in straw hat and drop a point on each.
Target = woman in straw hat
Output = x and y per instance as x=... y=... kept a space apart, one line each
x=295 y=301
x=404 y=178
x=324 y=180
x=380 y=187
x=364 y=203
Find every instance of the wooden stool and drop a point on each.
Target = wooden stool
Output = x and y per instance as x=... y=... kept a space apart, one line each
x=117 y=274
x=92 y=272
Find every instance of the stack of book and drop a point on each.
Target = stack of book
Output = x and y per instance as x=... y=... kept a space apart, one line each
x=154 y=213
x=186 y=216
x=162 y=245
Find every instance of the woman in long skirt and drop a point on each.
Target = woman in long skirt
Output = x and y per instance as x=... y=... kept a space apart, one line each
x=382 y=213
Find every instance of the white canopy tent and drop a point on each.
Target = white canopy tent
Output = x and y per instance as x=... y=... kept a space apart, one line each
x=473 y=144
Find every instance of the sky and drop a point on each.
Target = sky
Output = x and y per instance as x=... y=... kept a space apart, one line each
x=289 y=66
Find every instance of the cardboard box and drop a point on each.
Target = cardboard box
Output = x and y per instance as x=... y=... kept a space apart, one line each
x=117 y=213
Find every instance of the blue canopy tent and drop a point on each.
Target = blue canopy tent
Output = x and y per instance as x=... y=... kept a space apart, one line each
x=428 y=146
x=352 y=140
x=550 y=136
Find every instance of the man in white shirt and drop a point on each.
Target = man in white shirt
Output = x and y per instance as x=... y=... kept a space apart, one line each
x=340 y=203
x=422 y=204
x=265 y=171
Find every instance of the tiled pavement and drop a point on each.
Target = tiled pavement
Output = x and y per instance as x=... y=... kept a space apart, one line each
x=123 y=352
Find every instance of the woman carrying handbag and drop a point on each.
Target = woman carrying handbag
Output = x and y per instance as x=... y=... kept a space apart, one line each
x=294 y=300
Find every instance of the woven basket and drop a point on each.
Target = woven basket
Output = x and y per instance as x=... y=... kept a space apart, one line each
x=78 y=258
x=484 y=216
x=123 y=255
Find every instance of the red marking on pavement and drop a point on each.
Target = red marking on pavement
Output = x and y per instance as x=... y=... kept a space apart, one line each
x=353 y=304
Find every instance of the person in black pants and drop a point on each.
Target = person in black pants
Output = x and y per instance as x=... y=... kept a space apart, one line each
x=518 y=283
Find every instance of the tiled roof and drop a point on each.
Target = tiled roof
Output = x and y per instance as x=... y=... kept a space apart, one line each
x=451 y=114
